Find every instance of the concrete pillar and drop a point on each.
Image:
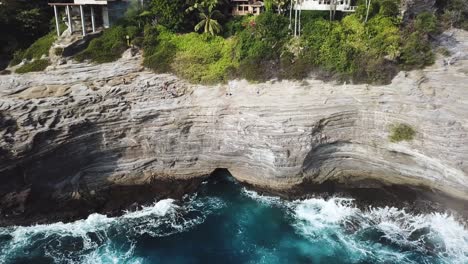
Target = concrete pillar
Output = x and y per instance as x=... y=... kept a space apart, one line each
x=105 y=17
x=299 y=23
x=56 y=20
x=295 y=20
x=83 y=27
x=70 y=25
x=93 y=25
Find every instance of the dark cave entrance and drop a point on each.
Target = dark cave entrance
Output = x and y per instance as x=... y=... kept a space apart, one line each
x=221 y=172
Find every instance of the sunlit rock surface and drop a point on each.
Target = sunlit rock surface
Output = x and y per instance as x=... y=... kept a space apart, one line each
x=80 y=134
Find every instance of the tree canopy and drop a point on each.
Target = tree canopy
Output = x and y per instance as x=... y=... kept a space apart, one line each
x=22 y=22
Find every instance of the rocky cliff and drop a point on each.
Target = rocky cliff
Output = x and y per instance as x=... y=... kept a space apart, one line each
x=80 y=138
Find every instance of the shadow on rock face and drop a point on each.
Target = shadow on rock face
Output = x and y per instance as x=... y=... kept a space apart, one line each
x=50 y=178
x=68 y=181
x=71 y=180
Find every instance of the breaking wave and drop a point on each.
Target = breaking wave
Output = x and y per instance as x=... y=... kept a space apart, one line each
x=98 y=239
x=378 y=235
x=226 y=223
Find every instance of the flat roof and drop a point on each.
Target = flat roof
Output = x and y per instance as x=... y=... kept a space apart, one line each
x=72 y=4
x=79 y=2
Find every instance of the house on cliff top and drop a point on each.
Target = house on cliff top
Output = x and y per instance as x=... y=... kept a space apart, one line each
x=326 y=5
x=332 y=6
x=88 y=15
x=254 y=7
x=246 y=7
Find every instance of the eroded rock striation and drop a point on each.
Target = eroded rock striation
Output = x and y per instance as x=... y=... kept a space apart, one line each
x=80 y=138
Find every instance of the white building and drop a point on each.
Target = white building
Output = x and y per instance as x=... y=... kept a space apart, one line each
x=92 y=13
x=331 y=6
x=246 y=7
x=325 y=5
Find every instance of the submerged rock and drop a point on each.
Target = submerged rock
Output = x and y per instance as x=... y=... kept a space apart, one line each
x=82 y=138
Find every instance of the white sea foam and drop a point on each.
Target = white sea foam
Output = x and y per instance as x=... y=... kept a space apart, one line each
x=380 y=235
x=160 y=208
x=265 y=199
x=339 y=222
x=108 y=254
x=22 y=236
x=321 y=213
x=435 y=233
x=91 y=238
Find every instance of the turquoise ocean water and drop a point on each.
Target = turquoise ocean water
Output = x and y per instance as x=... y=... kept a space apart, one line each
x=226 y=223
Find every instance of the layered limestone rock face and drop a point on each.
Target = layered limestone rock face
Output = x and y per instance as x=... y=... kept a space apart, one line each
x=87 y=135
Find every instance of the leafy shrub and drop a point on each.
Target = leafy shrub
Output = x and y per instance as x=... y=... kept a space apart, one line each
x=416 y=50
x=132 y=31
x=455 y=14
x=150 y=39
x=237 y=24
x=17 y=57
x=256 y=70
x=259 y=46
x=353 y=49
x=464 y=24
x=400 y=132
x=203 y=59
x=58 y=51
x=160 y=61
x=110 y=46
x=170 y=14
x=295 y=68
x=308 y=16
x=199 y=58
x=39 y=48
x=426 y=23
x=314 y=35
x=389 y=8
x=34 y=66
x=271 y=27
x=138 y=42
x=374 y=70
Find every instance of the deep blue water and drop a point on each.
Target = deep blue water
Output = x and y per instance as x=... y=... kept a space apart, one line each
x=225 y=223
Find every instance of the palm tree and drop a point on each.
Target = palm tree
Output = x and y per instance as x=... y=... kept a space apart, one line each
x=208 y=23
x=271 y=4
x=279 y=4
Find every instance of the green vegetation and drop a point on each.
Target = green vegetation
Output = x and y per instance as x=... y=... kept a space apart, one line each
x=36 y=50
x=400 y=132
x=261 y=48
x=34 y=66
x=110 y=46
x=455 y=14
x=353 y=49
x=208 y=21
x=416 y=50
x=58 y=51
x=370 y=45
x=199 y=58
x=170 y=14
x=22 y=22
